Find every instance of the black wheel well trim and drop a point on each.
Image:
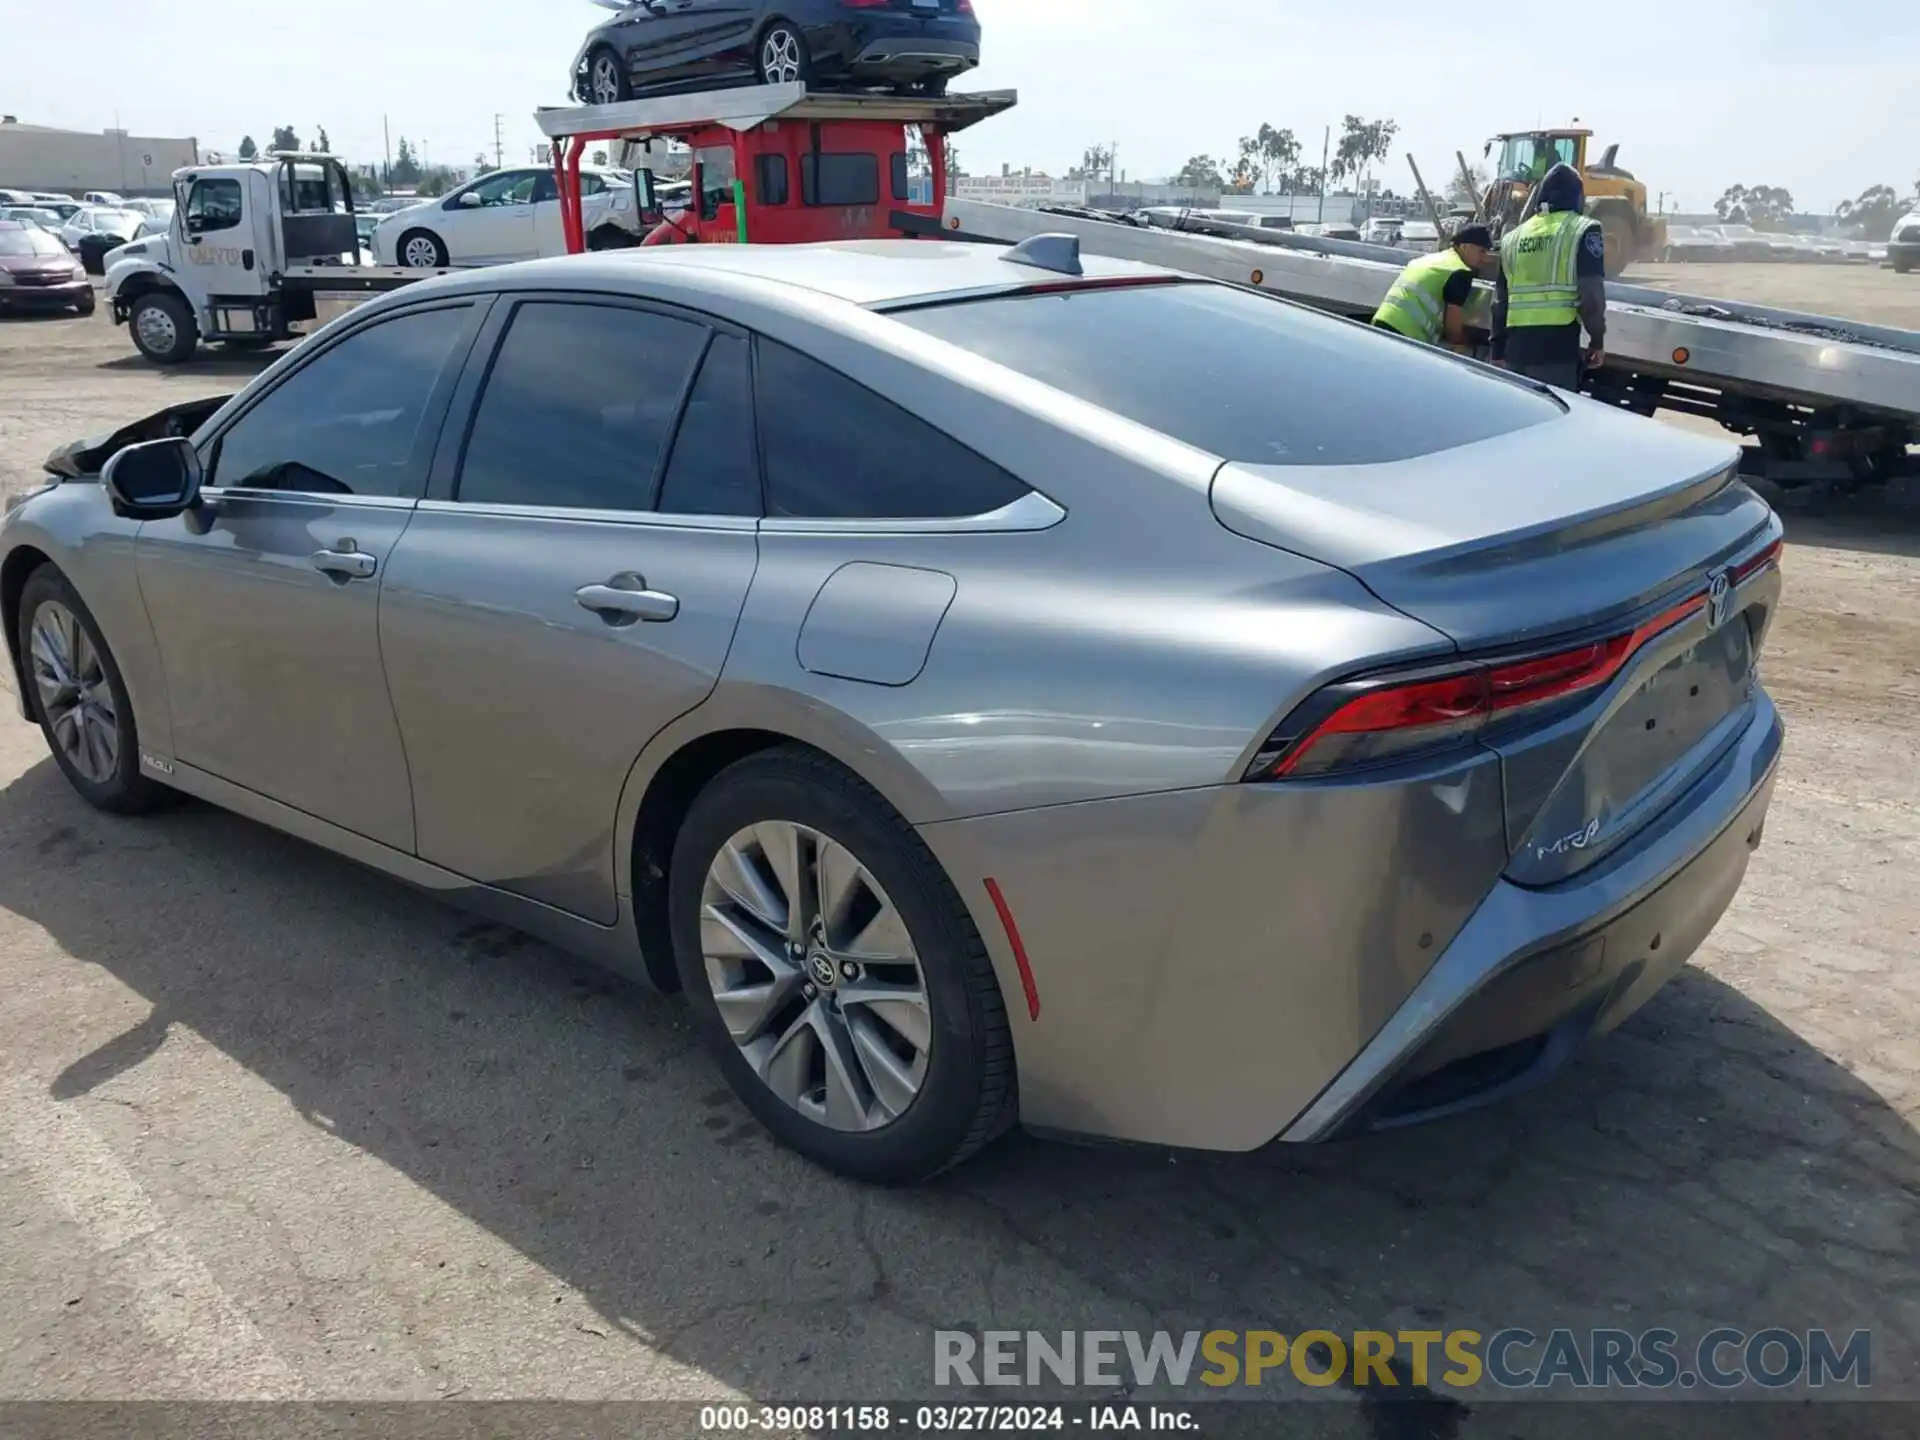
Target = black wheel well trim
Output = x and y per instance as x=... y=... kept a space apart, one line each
x=146 y=283
x=669 y=795
x=15 y=571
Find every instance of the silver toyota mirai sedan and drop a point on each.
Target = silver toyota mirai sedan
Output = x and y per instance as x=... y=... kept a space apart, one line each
x=995 y=686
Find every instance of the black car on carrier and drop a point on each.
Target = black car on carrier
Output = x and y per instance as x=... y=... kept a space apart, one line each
x=661 y=46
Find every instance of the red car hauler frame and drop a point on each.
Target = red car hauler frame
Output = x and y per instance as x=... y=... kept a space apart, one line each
x=776 y=164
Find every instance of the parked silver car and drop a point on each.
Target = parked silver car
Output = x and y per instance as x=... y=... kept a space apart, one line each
x=994 y=686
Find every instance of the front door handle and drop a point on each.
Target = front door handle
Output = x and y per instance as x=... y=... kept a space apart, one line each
x=625 y=599
x=344 y=564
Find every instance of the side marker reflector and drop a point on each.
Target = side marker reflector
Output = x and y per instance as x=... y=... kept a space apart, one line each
x=1019 y=947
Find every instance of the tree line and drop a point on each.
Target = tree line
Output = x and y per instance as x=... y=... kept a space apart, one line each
x=406 y=172
x=1272 y=160
x=1769 y=207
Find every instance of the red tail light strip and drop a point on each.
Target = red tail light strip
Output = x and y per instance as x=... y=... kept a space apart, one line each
x=1469 y=699
x=1747 y=569
x=1019 y=947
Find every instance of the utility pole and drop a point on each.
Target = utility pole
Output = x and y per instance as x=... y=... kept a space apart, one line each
x=499 y=150
x=1326 y=147
x=386 y=137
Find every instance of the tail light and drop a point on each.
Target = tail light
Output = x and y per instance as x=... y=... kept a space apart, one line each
x=965 y=7
x=1363 y=722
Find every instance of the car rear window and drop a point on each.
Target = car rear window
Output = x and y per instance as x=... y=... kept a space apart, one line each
x=1238 y=374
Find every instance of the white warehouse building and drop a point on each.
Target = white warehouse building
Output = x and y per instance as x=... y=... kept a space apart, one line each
x=40 y=157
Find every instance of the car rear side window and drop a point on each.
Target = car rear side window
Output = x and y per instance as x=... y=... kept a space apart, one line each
x=852 y=179
x=350 y=421
x=834 y=450
x=712 y=471
x=1241 y=375
x=578 y=406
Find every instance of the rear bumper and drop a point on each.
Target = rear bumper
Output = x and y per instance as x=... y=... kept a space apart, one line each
x=900 y=48
x=1537 y=973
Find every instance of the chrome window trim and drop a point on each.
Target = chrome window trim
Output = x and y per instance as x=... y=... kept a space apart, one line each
x=1032 y=511
x=310 y=497
x=651 y=518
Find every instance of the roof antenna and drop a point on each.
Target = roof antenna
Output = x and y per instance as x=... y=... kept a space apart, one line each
x=1059 y=253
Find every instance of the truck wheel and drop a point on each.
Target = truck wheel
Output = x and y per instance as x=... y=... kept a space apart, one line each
x=1902 y=264
x=422 y=250
x=163 y=327
x=611 y=237
x=1621 y=242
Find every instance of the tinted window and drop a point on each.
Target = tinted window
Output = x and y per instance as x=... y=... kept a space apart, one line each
x=712 y=471
x=839 y=179
x=900 y=189
x=770 y=173
x=349 y=421
x=214 y=205
x=1240 y=375
x=835 y=450
x=578 y=406
x=509 y=187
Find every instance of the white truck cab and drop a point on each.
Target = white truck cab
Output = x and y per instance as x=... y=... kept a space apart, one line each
x=254 y=250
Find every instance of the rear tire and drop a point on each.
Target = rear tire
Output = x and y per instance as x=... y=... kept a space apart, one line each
x=782 y=56
x=1902 y=264
x=1622 y=242
x=422 y=250
x=163 y=327
x=76 y=692
x=961 y=1090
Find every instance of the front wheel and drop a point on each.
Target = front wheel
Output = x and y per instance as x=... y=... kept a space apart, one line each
x=1902 y=264
x=422 y=250
x=835 y=973
x=80 y=700
x=163 y=327
x=608 y=82
x=783 y=56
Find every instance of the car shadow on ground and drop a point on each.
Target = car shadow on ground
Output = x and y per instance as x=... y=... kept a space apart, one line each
x=206 y=362
x=1705 y=1167
x=1883 y=520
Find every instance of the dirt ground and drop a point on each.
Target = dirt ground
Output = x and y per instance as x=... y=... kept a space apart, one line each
x=274 y=1126
x=1858 y=292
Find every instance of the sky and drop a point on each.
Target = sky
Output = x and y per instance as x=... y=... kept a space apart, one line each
x=1816 y=95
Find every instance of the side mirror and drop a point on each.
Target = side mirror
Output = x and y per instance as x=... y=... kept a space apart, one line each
x=471 y=199
x=645 y=198
x=154 y=480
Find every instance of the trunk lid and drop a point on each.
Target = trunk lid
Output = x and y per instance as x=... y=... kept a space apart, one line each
x=1562 y=533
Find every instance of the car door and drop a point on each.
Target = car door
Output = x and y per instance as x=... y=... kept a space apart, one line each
x=570 y=586
x=717 y=40
x=496 y=225
x=265 y=602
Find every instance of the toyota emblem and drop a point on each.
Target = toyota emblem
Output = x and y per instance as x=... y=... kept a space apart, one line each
x=1719 y=597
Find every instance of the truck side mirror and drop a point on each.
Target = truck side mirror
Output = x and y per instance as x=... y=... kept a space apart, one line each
x=154 y=480
x=645 y=199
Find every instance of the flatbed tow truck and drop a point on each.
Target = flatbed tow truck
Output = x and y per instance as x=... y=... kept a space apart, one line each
x=1829 y=402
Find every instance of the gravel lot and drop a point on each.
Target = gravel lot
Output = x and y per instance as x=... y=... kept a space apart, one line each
x=273 y=1126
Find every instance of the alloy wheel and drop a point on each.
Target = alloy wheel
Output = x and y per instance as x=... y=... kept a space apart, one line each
x=815 y=976
x=780 y=57
x=421 y=253
x=605 y=80
x=75 y=695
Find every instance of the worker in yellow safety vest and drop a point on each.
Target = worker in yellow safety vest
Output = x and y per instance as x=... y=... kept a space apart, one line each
x=1553 y=281
x=1428 y=301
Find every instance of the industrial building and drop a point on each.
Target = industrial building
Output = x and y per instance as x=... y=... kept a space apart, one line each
x=40 y=157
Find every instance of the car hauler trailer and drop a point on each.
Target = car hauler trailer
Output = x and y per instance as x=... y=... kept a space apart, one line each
x=1828 y=401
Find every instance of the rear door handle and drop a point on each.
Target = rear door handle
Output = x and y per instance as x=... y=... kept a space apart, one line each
x=344 y=564
x=625 y=599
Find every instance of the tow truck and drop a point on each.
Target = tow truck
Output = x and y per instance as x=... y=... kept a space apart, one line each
x=1829 y=402
x=257 y=251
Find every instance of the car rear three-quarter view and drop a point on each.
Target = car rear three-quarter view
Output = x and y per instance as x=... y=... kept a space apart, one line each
x=996 y=687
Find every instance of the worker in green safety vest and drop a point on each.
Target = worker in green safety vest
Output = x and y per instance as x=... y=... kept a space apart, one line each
x=1553 y=281
x=1428 y=301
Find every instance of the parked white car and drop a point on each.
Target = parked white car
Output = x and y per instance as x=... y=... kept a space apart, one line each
x=105 y=198
x=100 y=220
x=506 y=216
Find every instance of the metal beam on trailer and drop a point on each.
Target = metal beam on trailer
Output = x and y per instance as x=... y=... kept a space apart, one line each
x=744 y=107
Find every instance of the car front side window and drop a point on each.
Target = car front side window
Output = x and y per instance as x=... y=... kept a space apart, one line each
x=211 y=205
x=352 y=421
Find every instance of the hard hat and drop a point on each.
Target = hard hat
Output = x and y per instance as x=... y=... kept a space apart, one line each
x=1562 y=189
